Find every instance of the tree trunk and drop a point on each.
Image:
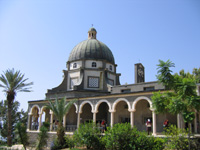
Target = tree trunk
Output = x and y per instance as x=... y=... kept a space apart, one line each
x=189 y=130
x=10 y=99
x=9 y=113
x=61 y=133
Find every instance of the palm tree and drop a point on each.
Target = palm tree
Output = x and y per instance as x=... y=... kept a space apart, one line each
x=59 y=110
x=13 y=81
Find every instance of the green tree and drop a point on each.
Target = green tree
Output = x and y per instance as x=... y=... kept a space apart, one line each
x=59 y=109
x=23 y=137
x=12 y=82
x=196 y=73
x=17 y=116
x=42 y=136
x=181 y=97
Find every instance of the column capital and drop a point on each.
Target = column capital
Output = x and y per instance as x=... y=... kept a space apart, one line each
x=51 y=112
x=132 y=110
x=153 y=109
x=94 y=112
x=112 y=111
x=78 y=112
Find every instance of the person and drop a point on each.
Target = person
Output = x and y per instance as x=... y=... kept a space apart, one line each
x=54 y=125
x=148 y=125
x=103 y=126
x=166 y=123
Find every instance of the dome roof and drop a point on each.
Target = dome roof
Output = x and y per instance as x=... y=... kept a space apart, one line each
x=91 y=49
x=92 y=29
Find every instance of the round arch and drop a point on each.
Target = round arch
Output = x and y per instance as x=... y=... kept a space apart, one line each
x=42 y=109
x=119 y=100
x=141 y=98
x=74 y=105
x=39 y=111
x=99 y=102
x=83 y=103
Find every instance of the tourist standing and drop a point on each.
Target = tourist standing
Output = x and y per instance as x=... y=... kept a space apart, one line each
x=148 y=125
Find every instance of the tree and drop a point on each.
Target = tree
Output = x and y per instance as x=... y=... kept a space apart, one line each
x=195 y=74
x=23 y=137
x=59 y=110
x=12 y=82
x=42 y=136
x=181 y=97
x=17 y=116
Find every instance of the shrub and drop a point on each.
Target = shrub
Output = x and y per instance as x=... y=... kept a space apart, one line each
x=176 y=138
x=123 y=137
x=56 y=145
x=88 y=135
x=119 y=137
x=42 y=136
x=70 y=141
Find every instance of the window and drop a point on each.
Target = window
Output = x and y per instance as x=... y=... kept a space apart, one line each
x=73 y=81
x=75 y=65
x=126 y=91
x=149 y=88
x=111 y=82
x=94 y=64
x=110 y=67
x=93 y=82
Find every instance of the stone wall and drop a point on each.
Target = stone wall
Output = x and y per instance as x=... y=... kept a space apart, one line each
x=33 y=139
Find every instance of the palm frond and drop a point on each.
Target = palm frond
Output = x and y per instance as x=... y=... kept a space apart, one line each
x=68 y=106
x=14 y=81
x=59 y=108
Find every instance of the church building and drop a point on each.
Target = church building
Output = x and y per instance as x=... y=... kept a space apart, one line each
x=91 y=77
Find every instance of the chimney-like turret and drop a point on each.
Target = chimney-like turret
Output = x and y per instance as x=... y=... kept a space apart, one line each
x=139 y=73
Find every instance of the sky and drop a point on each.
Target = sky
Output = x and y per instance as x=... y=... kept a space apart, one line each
x=37 y=36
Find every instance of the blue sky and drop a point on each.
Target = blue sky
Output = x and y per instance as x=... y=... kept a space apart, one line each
x=37 y=36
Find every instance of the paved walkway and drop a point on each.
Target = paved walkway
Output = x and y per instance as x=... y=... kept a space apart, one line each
x=14 y=147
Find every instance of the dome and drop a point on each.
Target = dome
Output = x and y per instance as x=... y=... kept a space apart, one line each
x=92 y=29
x=91 y=49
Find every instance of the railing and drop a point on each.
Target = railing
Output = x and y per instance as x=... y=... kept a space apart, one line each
x=70 y=128
x=34 y=126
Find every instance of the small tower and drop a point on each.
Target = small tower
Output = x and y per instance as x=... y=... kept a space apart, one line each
x=139 y=73
x=92 y=33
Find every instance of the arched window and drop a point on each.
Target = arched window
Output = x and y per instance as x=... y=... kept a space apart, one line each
x=75 y=65
x=111 y=67
x=94 y=64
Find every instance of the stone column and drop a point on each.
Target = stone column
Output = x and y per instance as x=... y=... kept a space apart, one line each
x=94 y=116
x=29 y=121
x=195 y=123
x=132 y=117
x=78 y=119
x=64 y=121
x=51 y=121
x=40 y=121
x=154 y=122
x=111 y=118
x=178 y=121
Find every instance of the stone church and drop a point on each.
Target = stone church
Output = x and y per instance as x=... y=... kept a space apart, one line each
x=91 y=77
